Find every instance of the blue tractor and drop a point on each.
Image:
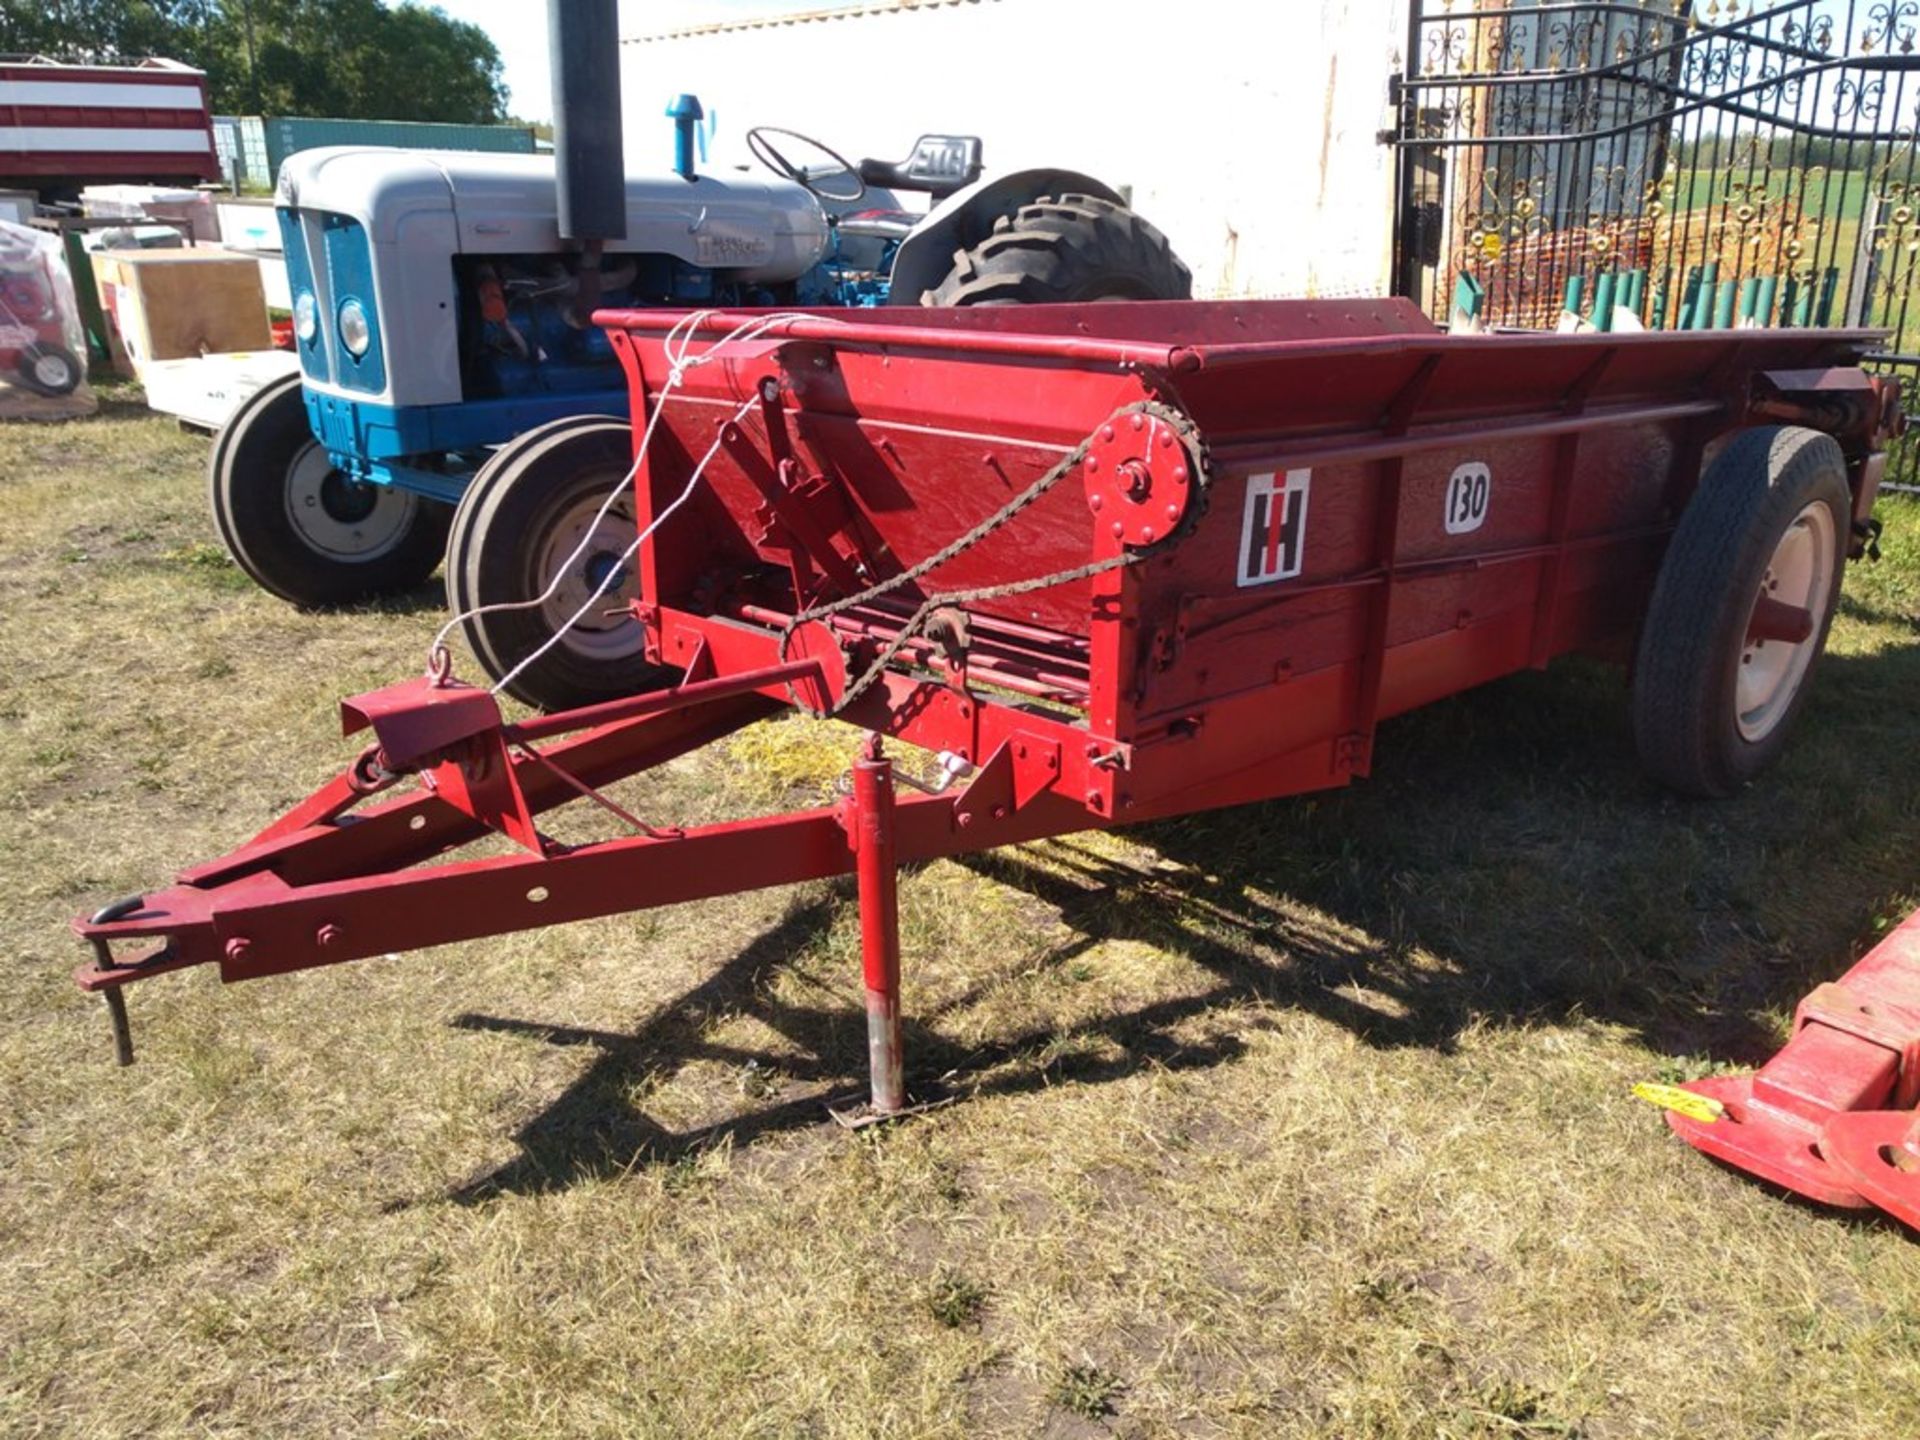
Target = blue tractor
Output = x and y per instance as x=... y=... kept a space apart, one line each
x=455 y=401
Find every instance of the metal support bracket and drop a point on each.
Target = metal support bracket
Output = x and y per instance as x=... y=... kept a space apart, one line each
x=1890 y=1026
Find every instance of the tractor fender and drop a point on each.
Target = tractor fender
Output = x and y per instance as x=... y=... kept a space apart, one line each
x=966 y=217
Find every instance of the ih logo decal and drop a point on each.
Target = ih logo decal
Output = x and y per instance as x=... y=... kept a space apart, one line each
x=1273 y=537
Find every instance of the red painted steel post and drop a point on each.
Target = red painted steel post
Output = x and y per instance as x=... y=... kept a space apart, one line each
x=873 y=840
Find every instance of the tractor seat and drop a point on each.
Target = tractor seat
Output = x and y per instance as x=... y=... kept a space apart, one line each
x=938 y=166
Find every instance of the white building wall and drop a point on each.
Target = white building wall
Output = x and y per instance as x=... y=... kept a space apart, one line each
x=1248 y=132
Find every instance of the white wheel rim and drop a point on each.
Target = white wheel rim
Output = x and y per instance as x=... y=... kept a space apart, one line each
x=340 y=518
x=597 y=635
x=1800 y=575
x=52 y=371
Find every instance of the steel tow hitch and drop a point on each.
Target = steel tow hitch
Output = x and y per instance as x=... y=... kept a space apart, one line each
x=106 y=976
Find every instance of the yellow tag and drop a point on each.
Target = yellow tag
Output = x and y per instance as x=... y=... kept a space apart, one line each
x=1683 y=1102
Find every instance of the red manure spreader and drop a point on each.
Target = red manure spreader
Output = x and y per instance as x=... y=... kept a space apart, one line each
x=1108 y=564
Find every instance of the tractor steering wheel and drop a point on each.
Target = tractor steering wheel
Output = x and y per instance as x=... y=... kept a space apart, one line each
x=764 y=151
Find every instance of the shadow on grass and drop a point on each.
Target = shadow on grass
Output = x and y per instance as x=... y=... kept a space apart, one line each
x=121 y=403
x=592 y=1129
x=1505 y=865
x=1854 y=607
x=429 y=597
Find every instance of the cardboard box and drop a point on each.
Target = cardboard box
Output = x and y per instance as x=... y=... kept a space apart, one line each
x=176 y=304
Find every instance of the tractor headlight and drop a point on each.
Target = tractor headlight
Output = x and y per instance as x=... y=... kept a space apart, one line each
x=306 y=317
x=355 y=333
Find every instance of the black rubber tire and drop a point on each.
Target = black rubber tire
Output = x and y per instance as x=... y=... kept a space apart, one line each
x=1067 y=249
x=69 y=379
x=1686 y=723
x=500 y=529
x=249 y=474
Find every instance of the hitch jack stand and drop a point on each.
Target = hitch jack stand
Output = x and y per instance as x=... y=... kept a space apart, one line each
x=879 y=879
x=869 y=816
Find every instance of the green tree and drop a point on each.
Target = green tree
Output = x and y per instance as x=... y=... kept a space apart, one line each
x=354 y=58
x=104 y=30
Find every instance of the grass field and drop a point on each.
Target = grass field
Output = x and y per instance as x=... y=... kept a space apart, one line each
x=1308 y=1118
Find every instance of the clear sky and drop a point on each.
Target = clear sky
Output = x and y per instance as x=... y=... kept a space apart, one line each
x=519 y=29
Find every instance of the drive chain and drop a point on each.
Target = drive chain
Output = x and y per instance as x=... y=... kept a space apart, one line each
x=1182 y=426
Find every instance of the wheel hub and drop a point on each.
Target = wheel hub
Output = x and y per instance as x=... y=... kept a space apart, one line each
x=1789 y=616
x=52 y=371
x=604 y=563
x=597 y=578
x=339 y=516
x=347 y=501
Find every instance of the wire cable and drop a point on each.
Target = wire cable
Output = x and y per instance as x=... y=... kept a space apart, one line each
x=677 y=346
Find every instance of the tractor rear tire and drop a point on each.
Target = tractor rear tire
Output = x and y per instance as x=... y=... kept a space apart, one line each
x=1067 y=249
x=50 y=370
x=300 y=528
x=1714 y=699
x=523 y=515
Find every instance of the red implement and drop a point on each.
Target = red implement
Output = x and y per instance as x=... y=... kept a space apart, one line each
x=1832 y=1116
x=1109 y=563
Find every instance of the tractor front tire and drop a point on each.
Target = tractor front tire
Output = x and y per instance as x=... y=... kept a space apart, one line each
x=1741 y=609
x=527 y=527
x=50 y=370
x=1066 y=249
x=299 y=527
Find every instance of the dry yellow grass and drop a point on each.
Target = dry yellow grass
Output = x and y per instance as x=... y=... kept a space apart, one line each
x=1304 y=1119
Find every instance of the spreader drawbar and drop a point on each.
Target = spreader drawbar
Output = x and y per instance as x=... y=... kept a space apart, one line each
x=1106 y=563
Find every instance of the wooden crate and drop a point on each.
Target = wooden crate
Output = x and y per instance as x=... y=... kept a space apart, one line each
x=174 y=304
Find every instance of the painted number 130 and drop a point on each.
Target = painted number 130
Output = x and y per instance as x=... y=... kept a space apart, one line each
x=1468 y=495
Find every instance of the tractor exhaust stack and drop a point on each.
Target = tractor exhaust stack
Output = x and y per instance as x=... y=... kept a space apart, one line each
x=585 y=36
x=590 y=166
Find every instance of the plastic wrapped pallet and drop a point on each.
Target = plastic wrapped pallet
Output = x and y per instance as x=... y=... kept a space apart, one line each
x=42 y=373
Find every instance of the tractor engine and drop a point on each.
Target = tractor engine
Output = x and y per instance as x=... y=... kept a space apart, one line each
x=518 y=316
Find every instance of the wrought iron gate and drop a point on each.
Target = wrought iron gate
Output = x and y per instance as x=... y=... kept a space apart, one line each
x=1707 y=162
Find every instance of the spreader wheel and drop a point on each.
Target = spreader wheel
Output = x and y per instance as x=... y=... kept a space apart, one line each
x=522 y=523
x=1741 y=611
x=50 y=370
x=1063 y=250
x=302 y=529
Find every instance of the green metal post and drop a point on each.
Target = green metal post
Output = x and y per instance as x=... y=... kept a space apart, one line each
x=1469 y=298
x=1723 y=308
x=1689 y=299
x=1829 y=286
x=1636 y=300
x=1709 y=291
x=1603 y=300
